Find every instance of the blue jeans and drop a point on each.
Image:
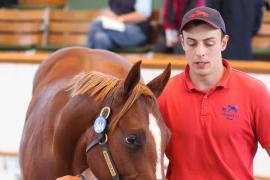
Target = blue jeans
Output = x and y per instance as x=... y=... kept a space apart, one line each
x=100 y=38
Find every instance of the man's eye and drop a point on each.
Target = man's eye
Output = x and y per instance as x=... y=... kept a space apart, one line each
x=191 y=44
x=209 y=43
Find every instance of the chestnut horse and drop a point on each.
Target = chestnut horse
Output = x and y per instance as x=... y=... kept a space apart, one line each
x=90 y=110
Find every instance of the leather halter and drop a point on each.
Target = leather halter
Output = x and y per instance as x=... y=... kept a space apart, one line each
x=102 y=140
x=100 y=127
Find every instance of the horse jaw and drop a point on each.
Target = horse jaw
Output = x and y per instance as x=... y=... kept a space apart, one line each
x=156 y=133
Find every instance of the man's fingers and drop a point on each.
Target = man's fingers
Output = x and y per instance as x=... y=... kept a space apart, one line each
x=68 y=177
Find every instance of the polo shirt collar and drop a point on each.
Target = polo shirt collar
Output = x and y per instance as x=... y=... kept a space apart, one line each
x=222 y=83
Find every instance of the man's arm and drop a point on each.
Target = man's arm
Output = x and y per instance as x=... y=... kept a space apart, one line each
x=143 y=10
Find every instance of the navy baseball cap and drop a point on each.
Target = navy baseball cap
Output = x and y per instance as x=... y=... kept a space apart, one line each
x=206 y=14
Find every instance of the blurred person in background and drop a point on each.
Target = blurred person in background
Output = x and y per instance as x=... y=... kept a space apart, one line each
x=125 y=24
x=173 y=12
x=8 y=3
x=267 y=4
x=242 y=19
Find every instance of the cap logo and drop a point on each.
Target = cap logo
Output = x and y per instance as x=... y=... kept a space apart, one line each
x=199 y=13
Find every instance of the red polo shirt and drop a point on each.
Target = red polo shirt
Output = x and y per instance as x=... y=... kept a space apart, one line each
x=215 y=134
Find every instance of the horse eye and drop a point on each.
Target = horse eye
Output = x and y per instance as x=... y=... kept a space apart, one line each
x=132 y=140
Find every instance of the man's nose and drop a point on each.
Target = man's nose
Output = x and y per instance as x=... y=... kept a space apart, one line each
x=200 y=50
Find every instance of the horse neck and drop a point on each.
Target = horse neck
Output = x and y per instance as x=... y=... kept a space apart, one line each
x=79 y=162
x=70 y=143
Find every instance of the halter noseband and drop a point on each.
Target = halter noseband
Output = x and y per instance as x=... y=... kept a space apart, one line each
x=100 y=128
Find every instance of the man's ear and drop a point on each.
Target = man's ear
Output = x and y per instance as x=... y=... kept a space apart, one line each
x=181 y=39
x=224 y=42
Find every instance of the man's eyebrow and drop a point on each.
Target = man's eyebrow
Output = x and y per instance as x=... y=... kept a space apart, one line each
x=191 y=38
x=206 y=39
x=210 y=38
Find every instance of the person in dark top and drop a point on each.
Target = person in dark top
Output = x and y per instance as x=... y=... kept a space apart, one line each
x=242 y=19
x=267 y=4
x=173 y=12
x=125 y=24
x=8 y=3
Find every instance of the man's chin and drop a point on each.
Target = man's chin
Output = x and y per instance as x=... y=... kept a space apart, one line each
x=201 y=72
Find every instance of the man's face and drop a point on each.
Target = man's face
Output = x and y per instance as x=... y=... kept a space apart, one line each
x=203 y=45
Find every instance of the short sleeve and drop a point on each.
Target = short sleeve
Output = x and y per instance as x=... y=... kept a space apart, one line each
x=144 y=7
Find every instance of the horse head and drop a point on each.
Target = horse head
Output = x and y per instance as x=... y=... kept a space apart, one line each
x=126 y=137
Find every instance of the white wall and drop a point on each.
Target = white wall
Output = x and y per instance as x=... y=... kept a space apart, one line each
x=15 y=93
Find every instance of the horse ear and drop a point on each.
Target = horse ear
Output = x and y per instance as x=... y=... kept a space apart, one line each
x=132 y=79
x=157 y=85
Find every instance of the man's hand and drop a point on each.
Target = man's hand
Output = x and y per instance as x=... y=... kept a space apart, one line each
x=171 y=37
x=68 y=177
x=87 y=173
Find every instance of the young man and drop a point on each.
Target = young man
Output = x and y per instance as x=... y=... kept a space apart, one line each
x=216 y=114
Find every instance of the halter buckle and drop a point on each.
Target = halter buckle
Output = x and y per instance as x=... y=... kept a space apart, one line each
x=104 y=140
x=105 y=112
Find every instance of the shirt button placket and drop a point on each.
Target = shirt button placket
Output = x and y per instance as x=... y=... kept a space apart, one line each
x=204 y=109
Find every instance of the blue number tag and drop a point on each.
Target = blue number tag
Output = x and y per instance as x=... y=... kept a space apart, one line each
x=100 y=124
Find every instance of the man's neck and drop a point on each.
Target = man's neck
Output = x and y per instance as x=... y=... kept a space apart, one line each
x=205 y=83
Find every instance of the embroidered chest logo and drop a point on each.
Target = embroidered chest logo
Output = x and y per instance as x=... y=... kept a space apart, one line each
x=230 y=112
x=199 y=13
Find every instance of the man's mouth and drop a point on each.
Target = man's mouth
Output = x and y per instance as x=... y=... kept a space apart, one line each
x=201 y=62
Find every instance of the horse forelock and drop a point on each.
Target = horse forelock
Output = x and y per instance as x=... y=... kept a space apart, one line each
x=100 y=86
x=93 y=83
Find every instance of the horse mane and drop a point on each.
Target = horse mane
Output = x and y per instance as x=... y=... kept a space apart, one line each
x=101 y=86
